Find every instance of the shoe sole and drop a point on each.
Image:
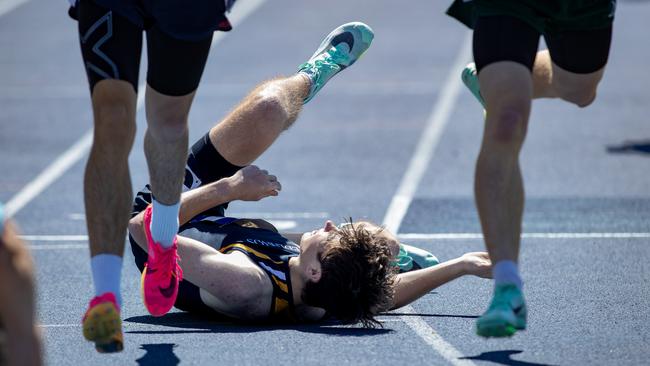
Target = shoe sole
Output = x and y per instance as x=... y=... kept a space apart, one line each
x=103 y=326
x=499 y=329
x=496 y=331
x=144 y=298
x=328 y=40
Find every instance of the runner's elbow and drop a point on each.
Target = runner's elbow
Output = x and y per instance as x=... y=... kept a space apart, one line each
x=136 y=227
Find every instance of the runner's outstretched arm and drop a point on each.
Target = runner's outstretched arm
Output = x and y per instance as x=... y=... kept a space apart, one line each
x=410 y=286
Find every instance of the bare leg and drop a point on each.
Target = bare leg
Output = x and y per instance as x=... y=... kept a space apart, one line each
x=259 y=119
x=108 y=197
x=107 y=184
x=165 y=146
x=551 y=81
x=165 y=143
x=498 y=183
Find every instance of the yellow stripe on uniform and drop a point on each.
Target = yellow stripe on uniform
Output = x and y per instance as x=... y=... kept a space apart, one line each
x=281 y=285
x=280 y=305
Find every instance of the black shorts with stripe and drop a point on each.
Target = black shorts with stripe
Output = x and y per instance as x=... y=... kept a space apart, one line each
x=179 y=37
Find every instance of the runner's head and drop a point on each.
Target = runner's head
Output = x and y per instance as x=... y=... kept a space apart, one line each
x=349 y=270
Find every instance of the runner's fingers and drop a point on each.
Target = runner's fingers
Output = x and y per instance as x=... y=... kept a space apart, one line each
x=276 y=186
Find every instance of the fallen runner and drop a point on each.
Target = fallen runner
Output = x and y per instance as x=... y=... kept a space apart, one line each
x=243 y=267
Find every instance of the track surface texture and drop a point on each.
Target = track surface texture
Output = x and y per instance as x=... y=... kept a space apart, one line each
x=585 y=256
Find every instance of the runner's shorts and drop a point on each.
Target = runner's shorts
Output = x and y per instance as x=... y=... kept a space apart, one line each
x=179 y=36
x=577 y=32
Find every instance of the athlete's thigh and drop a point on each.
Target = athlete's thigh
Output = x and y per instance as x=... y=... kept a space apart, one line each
x=110 y=45
x=579 y=57
x=504 y=38
x=504 y=53
x=174 y=71
x=175 y=66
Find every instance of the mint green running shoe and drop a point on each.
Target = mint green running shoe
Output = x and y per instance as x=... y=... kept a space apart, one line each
x=340 y=49
x=506 y=314
x=470 y=79
x=411 y=258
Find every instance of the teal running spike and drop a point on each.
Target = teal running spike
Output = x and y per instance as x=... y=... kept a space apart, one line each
x=340 y=49
x=470 y=79
x=506 y=314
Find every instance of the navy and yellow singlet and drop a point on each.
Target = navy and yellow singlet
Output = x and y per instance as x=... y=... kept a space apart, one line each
x=257 y=239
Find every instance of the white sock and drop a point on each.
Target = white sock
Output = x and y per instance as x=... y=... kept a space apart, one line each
x=164 y=223
x=506 y=272
x=107 y=272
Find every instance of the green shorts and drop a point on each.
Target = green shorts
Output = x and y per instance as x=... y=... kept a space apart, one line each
x=546 y=16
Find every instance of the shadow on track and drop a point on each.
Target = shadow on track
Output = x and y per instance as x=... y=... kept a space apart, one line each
x=188 y=323
x=503 y=357
x=158 y=354
x=630 y=147
x=433 y=315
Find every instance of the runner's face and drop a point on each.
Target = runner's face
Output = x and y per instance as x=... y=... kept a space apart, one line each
x=313 y=243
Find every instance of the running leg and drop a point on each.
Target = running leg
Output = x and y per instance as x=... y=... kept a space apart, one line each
x=175 y=69
x=110 y=46
x=506 y=86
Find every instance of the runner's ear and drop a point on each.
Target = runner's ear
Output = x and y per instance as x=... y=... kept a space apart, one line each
x=314 y=272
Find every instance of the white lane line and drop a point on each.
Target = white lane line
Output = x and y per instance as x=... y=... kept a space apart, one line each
x=281 y=215
x=71 y=156
x=59 y=325
x=9 y=5
x=405 y=236
x=283 y=224
x=198 y=324
x=455 y=236
x=240 y=12
x=54 y=237
x=411 y=180
x=428 y=142
x=58 y=246
x=446 y=350
x=49 y=175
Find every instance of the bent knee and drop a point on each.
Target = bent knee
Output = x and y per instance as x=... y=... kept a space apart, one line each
x=114 y=112
x=581 y=98
x=114 y=126
x=578 y=90
x=270 y=102
x=169 y=126
x=508 y=125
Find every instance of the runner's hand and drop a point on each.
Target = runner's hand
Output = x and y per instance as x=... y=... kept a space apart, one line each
x=477 y=264
x=252 y=184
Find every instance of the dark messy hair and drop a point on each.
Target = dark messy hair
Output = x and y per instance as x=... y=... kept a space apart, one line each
x=357 y=277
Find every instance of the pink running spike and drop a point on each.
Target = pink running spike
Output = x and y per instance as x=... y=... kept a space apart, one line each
x=161 y=275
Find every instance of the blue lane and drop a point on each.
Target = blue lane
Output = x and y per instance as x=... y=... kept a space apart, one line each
x=346 y=156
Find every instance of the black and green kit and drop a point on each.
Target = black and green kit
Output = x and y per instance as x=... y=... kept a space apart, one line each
x=546 y=16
